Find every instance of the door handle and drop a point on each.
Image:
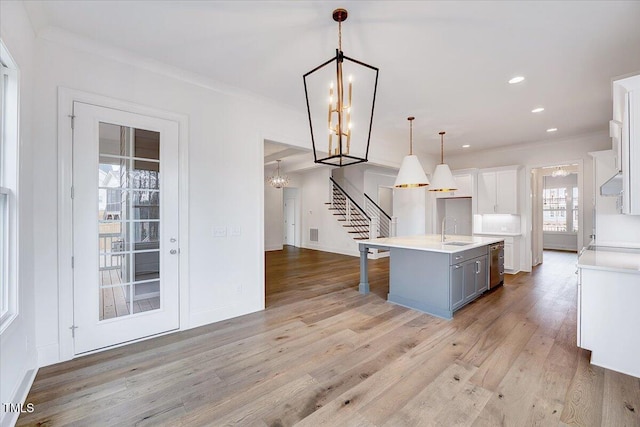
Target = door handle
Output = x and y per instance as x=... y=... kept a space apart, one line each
x=173 y=240
x=477 y=267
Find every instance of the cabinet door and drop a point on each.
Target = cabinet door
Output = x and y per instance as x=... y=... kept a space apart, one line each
x=482 y=279
x=469 y=280
x=508 y=256
x=486 y=193
x=507 y=192
x=465 y=188
x=457 y=286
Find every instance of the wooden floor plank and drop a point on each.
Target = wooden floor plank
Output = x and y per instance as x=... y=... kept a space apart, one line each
x=323 y=354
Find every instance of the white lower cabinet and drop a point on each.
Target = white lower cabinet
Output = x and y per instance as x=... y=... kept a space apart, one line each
x=608 y=318
x=511 y=252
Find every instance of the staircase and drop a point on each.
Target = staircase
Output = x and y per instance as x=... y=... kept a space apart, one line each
x=361 y=224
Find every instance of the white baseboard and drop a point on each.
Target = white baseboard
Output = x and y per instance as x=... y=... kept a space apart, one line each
x=273 y=248
x=9 y=419
x=223 y=313
x=332 y=250
x=48 y=355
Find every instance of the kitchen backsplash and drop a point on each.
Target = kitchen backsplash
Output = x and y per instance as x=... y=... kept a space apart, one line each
x=497 y=223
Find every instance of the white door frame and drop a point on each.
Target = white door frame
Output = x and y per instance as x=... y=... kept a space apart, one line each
x=286 y=224
x=528 y=250
x=66 y=97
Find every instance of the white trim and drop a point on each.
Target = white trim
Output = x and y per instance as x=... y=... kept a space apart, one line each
x=11 y=184
x=8 y=419
x=528 y=251
x=66 y=98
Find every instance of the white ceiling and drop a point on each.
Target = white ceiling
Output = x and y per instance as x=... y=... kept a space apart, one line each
x=446 y=63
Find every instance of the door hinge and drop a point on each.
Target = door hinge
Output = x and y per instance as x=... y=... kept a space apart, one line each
x=72 y=262
x=73 y=330
x=72 y=192
x=72 y=117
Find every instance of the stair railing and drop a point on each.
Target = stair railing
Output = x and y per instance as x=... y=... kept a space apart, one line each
x=360 y=222
x=386 y=224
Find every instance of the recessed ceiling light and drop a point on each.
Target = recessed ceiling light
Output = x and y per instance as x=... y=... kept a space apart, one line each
x=552 y=129
x=537 y=110
x=516 y=79
x=466 y=146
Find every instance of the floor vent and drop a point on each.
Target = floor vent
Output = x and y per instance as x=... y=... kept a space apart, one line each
x=313 y=234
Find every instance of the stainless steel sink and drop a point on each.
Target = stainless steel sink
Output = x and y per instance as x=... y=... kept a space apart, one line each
x=457 y=243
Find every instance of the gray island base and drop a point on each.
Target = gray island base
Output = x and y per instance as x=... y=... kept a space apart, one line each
x=428 y=275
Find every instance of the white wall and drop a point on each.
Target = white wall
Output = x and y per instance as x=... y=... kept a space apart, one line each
x=18 y=357
x=273 y=215
x=541 y=153
x=612 y=228
x=225 y=172
x=412 y=210
x=332 y=237
x=273 y=218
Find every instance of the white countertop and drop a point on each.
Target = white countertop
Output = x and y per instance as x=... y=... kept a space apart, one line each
x=431 y=242
x=610 y=259
x=497 y=233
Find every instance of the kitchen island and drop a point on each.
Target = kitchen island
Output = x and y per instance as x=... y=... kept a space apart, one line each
x=429 y=275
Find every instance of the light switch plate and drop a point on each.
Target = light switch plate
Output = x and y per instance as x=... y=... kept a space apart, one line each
x=235 y=231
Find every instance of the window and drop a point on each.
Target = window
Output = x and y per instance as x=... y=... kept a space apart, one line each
x=560 y=204
x=8 y=187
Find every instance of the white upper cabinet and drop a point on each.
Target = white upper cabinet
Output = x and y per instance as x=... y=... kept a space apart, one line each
x=626 y=140
x=464 y=182
x=498 y=191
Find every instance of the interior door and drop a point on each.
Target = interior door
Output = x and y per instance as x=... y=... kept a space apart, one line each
x=125 y=226
x=290 y=222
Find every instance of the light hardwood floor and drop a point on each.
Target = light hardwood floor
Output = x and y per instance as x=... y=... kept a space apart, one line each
x=322 y=354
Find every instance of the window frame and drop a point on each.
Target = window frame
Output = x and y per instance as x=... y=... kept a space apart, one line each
x=9 y=162
x=570 y=212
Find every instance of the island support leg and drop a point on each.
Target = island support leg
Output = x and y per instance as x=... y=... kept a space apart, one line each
x=364 y=272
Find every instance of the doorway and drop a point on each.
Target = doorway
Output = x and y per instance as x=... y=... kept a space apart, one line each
x=556 y=209
x=125 y=226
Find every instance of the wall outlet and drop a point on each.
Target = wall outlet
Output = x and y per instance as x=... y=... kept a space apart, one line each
x=235 y=231
x=219 y=231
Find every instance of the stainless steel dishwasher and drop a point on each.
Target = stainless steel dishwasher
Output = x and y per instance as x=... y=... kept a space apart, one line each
x=496 y=265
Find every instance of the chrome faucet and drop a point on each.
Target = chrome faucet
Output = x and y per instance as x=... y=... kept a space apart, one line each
x=444 y=221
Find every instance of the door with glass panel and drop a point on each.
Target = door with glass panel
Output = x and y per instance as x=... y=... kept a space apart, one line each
x=125 y=232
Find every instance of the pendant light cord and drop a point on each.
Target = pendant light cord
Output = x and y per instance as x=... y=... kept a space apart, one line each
x=442 y=148
x=410 y=135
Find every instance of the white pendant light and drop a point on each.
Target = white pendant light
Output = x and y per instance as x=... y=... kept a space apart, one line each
x=442 y=177
x=411 y=174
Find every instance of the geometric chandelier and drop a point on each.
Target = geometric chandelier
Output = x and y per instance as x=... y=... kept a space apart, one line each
x=341 y=112
x=277 y=180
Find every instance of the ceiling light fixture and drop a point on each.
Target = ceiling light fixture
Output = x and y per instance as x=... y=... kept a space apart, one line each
x=517 y=79
x=552 y=130
x=442 y=176
x=277 y=180
x=411 y=174
x=346 y=108
x=537 y=110
x=560 y=171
